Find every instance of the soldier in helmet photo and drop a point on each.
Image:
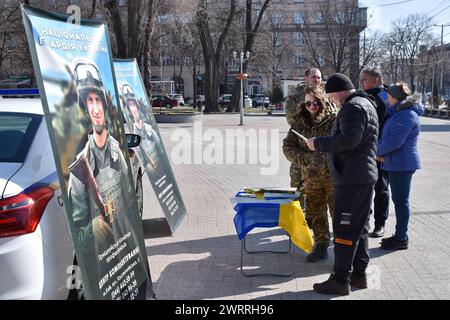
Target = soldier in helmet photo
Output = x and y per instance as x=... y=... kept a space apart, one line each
x=98 y=181
x=149 y=138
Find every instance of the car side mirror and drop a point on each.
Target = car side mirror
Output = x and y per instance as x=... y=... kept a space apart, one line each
x=133 y=140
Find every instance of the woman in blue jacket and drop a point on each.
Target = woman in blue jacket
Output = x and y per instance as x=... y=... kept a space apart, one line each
x=398 y=152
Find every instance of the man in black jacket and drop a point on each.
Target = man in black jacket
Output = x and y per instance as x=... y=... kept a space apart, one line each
x=351 y=152
x=371 y=81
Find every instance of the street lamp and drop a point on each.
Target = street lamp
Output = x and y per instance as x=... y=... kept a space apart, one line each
x=241 y=76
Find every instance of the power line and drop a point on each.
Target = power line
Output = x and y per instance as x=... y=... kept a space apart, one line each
x=440 y=12
x=436 y=7
x=391 y=4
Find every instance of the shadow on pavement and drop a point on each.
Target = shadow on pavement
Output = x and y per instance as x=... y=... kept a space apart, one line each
x=210 y=268
x=156 y=228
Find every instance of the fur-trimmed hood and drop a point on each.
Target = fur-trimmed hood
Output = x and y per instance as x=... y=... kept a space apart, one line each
x=411 y=102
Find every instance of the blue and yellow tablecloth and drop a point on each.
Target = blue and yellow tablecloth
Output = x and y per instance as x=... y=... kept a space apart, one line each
x=270 y=211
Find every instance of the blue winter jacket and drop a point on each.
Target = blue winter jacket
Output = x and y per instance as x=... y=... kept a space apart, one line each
x=398 y=143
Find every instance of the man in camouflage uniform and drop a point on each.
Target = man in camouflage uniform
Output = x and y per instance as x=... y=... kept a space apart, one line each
x=317 y=181
x=149 y=138
x=312 y=77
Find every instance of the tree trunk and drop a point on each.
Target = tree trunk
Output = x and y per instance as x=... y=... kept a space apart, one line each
x=113 y=9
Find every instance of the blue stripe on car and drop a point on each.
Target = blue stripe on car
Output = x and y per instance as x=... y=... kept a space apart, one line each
x=50 y=180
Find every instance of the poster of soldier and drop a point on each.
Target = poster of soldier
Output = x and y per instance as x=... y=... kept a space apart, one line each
x=141 y=121
x=74 y=71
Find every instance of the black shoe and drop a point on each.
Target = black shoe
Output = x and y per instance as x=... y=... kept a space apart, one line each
x=377 y=232
x=318 y=253
x=393 y=244
x=359 y=282
x=331 y=286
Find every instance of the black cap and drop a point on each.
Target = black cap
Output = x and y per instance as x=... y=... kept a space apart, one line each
x=338 y=82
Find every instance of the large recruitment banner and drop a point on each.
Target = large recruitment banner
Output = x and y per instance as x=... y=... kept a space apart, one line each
x=74 y=71
x=140 y=120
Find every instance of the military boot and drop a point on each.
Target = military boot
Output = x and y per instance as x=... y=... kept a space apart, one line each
x=358 y=280
x=318 y=253
x=332 y=286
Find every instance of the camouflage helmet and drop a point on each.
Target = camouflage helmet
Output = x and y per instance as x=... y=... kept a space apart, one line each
x=88 y=80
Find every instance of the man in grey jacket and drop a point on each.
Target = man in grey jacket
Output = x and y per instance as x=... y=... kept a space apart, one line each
x=351 y=152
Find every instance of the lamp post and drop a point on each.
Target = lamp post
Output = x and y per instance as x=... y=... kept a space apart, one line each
x=241 y=76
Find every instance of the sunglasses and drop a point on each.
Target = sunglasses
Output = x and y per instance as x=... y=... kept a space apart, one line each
x=315 y=102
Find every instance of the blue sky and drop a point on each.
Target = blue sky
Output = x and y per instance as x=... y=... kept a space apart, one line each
x=383 y=15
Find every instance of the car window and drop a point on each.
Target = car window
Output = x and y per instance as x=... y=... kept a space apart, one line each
x=17 y=131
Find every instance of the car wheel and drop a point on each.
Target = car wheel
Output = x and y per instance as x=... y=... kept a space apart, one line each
x=168 y=106
x=140 y=194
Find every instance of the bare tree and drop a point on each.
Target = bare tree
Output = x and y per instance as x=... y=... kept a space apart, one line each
x=254 y=13
x=212 y=53
x=132 y=31
x=8 y=18
x=372 y=50
x=404 y=42
x=337 y=28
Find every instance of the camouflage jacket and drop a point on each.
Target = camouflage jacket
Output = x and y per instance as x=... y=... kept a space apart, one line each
x=312 y=163
x=293 y=102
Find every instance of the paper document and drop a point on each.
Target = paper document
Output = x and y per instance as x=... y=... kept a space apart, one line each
x=301 y=136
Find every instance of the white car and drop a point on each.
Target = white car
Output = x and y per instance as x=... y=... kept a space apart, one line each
x=248 y=102
x=178 y=97
x=36 y=248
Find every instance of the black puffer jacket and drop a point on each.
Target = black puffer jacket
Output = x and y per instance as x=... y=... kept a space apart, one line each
x=352 y=145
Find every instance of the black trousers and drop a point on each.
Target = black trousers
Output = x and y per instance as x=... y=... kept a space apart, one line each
x=351 y=228
x=381 y=200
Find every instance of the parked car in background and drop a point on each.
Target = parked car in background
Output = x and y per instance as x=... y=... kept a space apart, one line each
x=200 y=99
x=247 y=102
x=260 y=100
x=224 y=101
x=36 y=249
x=177 y=97
x=161 y=101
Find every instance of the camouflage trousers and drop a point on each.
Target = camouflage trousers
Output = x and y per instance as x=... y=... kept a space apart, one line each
x=297 y=182
x=319 y=198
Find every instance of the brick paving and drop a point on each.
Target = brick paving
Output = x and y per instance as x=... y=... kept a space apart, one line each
x=201 y=260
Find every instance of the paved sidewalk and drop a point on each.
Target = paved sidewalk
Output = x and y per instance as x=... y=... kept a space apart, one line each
x=201 y=261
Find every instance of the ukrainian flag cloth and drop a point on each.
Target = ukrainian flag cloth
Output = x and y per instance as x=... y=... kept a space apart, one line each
x=266 y=213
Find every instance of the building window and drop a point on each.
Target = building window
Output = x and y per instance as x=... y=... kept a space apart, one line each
x=74 y=2
x=299 y=17
x=122 y=3
x=164 y=41
x=299 y=39
x=166 y=60
x=319 y=17
x=298 y=60
x=299 y=1
x=276 y=18
x=276 y=39
x=340 y=17
x=321 y=61
x=320 y=38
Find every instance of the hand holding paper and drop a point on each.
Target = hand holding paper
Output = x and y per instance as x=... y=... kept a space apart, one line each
x=300 y=135
x=310 y=144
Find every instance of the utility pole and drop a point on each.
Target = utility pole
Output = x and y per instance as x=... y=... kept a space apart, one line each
x=442 y=56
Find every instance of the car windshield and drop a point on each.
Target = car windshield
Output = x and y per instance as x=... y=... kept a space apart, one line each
x=16 y=134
